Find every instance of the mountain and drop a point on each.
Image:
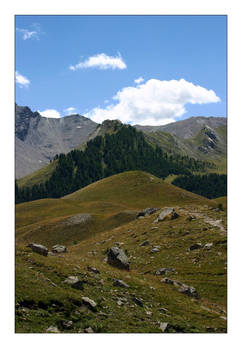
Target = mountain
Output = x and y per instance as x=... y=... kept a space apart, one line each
x=122 y=149
x=203 y=138
x=39 y=139
x=176 y=282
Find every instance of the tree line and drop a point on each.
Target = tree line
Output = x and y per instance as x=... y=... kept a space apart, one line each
x=210 y=185
x=104 y=156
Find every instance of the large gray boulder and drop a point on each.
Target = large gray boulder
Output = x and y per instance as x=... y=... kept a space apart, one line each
x=116 y=257
x=38 y=248
x=167 y=213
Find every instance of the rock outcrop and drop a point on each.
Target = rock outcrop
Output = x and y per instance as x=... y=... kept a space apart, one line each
x=116 y=257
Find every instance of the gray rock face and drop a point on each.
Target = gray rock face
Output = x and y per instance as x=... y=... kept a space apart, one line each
x=59 y=248
x=38 y=248
x=74 y=282
x=116 y=257
x=43 y=138
x=147 y=211
x=66 y=324
x=89 y=302
x=167 y=213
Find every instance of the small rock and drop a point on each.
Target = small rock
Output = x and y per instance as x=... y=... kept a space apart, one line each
x=88 y=330
x=91 y=303
x=155 y=249
x=119 y=302
x=190 y=218
x=148 y=313
x=38 y=248
x=120 y=283
x=167 y=280
x=163 y=309
x=93 y=269
x=117 y=258
x=137 y=301
x=167 y=213
x=188 y=290
x=74 y=282
x=145 y=243
x=195 y=246
x=146 y=212
x=163 y=271
x=66 y=324
x=163 y=326
x=208 y=245
x=52 y=329
x=59 y=248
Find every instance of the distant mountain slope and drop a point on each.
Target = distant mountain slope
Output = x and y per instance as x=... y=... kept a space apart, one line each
x=198 y=137
x=39 y=139
x=186 y=128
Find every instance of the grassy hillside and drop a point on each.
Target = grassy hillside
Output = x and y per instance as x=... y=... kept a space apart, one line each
x=43 y=300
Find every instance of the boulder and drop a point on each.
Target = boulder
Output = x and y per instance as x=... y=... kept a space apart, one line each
x=147 y=212
x=74 y=282
x=89 y=302
x=167 y=213
x=38 y=248
x=120 y=283
x=116 y=257
x=59 y=248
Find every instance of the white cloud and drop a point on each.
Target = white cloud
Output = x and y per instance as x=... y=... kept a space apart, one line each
x=70 y=110
x=139 y=80
x=156 y=102
x=50 y=113
x=101 y=61
x=21 y=80
x=27 y=34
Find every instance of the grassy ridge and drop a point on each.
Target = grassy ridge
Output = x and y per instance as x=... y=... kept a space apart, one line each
x=43 y=300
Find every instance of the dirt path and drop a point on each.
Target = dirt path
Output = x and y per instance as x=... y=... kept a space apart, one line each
x=207 y=220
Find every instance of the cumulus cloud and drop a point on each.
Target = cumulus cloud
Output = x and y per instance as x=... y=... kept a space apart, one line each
x=21 y=80
x=69 y=110
x=28 y=34
x=156 y=102
x=50 y=113
x=101 y=61
x=139 y=80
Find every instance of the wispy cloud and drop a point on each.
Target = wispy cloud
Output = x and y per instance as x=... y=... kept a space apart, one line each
x=70 y=110
x=101 y=61
x=139 y=80
x=50 y=113
x=30 y=33
x=21 y=80
x=156 y=102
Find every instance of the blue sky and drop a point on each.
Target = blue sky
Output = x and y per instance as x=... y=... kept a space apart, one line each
x=89 y=64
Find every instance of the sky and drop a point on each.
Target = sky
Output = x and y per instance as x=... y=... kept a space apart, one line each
x=148 y=70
